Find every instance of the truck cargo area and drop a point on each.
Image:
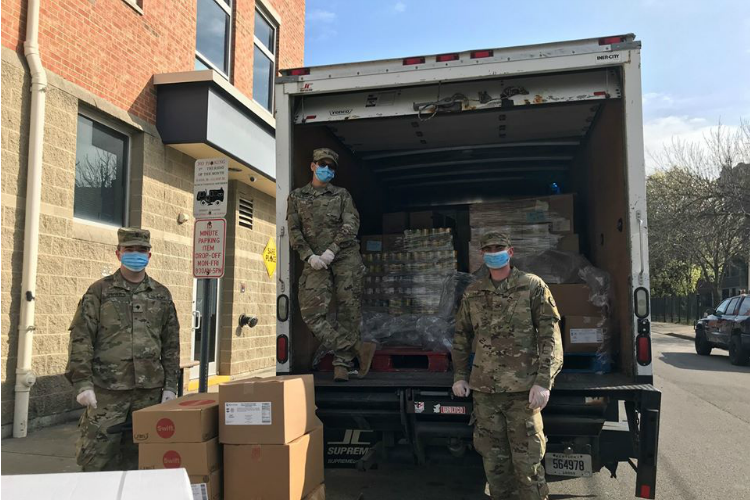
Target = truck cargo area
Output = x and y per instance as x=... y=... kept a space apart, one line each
x=448 y=161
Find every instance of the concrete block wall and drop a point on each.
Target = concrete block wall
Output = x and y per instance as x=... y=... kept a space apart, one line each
x=248 y=349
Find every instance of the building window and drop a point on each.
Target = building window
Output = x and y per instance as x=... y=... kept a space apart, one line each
x=264 y=60
x=101 y=173
x=213 y=35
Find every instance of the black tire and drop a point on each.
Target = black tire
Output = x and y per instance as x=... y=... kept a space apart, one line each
x=702 y=345
x=737 y=355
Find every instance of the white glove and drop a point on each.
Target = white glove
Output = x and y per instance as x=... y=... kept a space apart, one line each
x=317 y=263
x=461 y=389
x=538 y=397
x=87 y=398
x=327 y=257
x=167 y=395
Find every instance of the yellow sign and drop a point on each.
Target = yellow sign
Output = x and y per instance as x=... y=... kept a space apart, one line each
x=269 y=257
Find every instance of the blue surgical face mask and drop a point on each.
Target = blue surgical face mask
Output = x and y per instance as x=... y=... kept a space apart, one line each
x=324 y=174
x=497 y=260
x=135 y=261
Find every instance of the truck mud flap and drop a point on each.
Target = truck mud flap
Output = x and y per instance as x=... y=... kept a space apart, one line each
x=648 y=444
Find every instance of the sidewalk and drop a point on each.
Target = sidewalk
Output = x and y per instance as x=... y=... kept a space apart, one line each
x=674 y=330
x=43 y=451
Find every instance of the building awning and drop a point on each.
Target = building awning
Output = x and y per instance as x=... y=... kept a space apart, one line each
x=202 y=115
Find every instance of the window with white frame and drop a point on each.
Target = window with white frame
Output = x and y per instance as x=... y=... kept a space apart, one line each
x=264 y=59
x=213 y=35
x=101 y=173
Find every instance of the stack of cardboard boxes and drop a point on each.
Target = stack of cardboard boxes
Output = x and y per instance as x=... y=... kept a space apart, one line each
x=534 y=225
x=273 y=442
x=182 y=433
x=584 y=326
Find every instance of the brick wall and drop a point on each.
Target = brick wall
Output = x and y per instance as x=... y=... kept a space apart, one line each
x=111 y=50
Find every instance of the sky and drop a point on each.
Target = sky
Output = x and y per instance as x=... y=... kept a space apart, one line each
x=695 y=54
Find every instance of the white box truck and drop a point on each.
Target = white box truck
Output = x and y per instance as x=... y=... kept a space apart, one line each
x=443 y=132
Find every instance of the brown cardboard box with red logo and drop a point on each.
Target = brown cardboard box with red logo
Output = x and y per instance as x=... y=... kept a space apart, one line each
x=274 y=471
x=189 y=419
x=199 y=459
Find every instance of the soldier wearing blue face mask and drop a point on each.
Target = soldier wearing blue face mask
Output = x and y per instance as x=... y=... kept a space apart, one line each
x=511 y=319
x=124 y=354
x=323 y=225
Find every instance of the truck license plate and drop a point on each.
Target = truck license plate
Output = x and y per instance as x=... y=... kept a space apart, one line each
x=561 y=464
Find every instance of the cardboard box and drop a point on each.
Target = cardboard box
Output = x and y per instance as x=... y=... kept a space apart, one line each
x=274 y=471
x=318 y=493
x=199 y=459
x=170 y=484
x=569 y=243
x=561 y=213
x=396 y=222
x=274 y=410
x=573 y=300
x=583 y=333
x=426 y=220
x=207 y=486
x=189 y=419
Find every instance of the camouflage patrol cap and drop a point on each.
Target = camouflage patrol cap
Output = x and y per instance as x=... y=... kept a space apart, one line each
x=133 y=237
x=494 y=238
x=322 y=153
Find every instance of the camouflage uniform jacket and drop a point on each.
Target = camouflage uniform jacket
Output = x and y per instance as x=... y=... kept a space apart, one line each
x=514 y=331
x=321 y=219
x=121 y=340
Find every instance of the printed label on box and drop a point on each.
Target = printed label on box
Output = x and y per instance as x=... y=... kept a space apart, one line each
x=258 y=413
x=374 y=246
x=200 y=491
x=586 y=335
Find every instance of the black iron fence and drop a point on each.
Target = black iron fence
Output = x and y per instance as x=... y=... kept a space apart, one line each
x=679 y=309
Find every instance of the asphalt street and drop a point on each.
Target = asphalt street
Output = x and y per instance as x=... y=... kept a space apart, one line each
x=704 y=446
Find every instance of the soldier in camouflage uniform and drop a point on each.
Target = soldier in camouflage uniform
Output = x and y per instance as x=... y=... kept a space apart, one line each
x=124 y=355
x=511 y=320
x=323 y=225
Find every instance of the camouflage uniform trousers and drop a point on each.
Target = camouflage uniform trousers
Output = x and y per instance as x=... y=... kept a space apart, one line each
x=316 y=289
x=99 y=450
x=510 y=437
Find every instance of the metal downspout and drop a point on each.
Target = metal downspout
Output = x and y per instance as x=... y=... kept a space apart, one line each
x=25 y=378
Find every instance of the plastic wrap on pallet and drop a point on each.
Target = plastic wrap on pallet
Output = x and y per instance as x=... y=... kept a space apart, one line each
x=433 y=332
x=556 y=211
x=528 y=240
x=428 y=240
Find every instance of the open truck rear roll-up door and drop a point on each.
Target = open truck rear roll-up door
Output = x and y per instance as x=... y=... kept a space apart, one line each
x=427 y=100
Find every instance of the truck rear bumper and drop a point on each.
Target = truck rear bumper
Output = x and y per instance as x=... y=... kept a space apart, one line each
x=417 y=409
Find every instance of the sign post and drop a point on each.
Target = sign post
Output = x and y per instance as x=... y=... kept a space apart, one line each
x=210 y=186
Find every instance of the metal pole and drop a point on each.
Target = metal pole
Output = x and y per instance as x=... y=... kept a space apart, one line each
x=205 y=334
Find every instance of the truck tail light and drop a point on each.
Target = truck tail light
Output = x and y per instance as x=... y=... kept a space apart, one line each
x=282 y=349
x=299 y=71
x=481 y=54
x=609 y=40
x=446 y=57
x=413 y=60
x=643 y=349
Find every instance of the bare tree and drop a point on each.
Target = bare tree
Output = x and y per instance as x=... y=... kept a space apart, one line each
x=699 y=205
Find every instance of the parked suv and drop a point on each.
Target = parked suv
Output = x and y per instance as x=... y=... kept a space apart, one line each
x=726 y=327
